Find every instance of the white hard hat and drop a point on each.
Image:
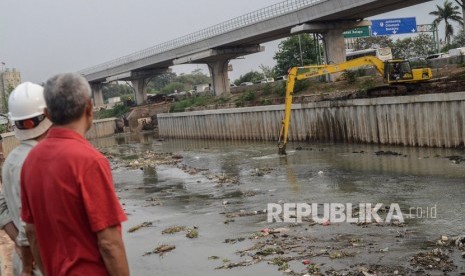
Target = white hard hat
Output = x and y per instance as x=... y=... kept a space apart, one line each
x=27 y=101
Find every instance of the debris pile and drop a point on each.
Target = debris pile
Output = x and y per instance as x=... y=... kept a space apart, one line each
x=153 y=159
x=262 y=171
x=456 y=159
x=173 y=229
x=388 y=152
x=144 y=160
x=436 y=259
x=160 y=250
x=190 y=232
x=139 y=226
x=221 y=179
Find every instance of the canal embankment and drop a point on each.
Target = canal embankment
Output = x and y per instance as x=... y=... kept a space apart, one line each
x=428 y=120
x=100 y=128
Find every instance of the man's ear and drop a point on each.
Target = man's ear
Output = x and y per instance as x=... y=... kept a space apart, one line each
x=47 y=114
x=89 y=108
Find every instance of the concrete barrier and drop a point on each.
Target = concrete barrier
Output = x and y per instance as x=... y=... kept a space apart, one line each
x=100 y=128
x=447 y=61
x=430 y=120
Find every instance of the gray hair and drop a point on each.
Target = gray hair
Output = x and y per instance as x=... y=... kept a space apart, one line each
x=66 y=96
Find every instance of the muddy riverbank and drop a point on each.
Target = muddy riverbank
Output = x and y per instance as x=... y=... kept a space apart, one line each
x=220 y=190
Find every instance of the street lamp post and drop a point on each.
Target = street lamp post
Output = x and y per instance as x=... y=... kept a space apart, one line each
x=300 y=48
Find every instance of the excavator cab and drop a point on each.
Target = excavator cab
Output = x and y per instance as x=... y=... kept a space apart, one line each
x=396 y=71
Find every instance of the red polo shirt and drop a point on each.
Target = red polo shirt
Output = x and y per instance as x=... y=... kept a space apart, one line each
x=67 y=192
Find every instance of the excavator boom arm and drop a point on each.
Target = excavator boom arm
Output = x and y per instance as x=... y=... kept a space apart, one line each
x=284 y=131
x=305 y=72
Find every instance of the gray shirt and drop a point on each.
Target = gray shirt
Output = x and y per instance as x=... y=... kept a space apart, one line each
x=10 y=197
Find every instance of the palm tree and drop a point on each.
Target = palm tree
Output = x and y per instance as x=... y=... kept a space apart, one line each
x=447 y=13
x=462 y=5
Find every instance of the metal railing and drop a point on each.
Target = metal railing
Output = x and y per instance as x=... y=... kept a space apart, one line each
x=218 y=29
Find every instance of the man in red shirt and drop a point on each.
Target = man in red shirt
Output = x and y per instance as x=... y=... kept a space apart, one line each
x=73 y=217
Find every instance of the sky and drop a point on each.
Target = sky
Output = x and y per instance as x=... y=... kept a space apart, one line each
x=41 y=38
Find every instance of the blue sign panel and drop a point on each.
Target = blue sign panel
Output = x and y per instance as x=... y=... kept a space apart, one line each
x=393 y=26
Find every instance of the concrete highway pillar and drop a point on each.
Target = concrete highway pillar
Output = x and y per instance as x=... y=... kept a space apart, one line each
x=335 y=49
x=140 y=90
x=219 y=72
x=97 y=94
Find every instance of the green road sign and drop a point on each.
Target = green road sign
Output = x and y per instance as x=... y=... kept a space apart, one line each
x=357 y=32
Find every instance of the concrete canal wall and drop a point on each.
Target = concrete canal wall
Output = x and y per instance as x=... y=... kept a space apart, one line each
x=101 y=128
x=431 y=120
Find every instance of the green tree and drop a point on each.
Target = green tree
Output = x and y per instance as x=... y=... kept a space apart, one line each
x=372 y=42
x=447 y=13
x=402 y=48
x=192 y=79
x=423 y=45
x=462 y=5
x=6 y=95
x=459 y=39
x=116 y=90
x=252 y=76
x=172 y=87
x=157 y=83
x=167 y=83
x=288 y=54
x=419 y=46
x=268 y=71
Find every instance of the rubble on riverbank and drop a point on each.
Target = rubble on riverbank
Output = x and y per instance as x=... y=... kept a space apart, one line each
x=296 y=252
x=139 y=226
x=160 y=250
x=141 y=161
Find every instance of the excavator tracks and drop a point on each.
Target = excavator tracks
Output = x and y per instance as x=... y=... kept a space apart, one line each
x=386 y=91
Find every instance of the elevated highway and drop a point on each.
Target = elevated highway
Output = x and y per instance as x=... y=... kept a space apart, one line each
x=240 y=36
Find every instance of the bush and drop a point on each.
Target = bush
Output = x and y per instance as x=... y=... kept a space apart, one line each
x=3 y=128
x=267 y=89
x=266 y=102
x=328 y=88
x=181 y=106
x=222 y=100
x=280 y=89
x=173 y=86
x=367 y=84
x=361 y=72
x=350 y=76
x=249 y=96
x=461 y=76
x=239 y=102
x=117 y=111
x=301 y=85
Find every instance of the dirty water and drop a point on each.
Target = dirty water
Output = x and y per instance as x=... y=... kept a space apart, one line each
x=196 y=192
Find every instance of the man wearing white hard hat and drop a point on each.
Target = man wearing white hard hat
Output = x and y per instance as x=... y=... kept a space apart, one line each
x=26 y=108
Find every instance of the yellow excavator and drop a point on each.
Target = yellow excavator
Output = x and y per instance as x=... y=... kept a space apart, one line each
x=397 y=74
